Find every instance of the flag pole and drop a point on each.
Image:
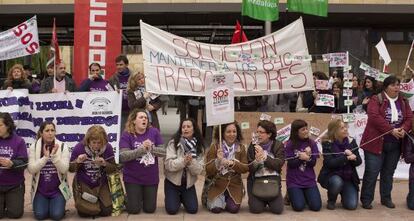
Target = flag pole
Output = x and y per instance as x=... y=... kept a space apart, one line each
x=409 y=55
x=241 y=28
x=54 y=54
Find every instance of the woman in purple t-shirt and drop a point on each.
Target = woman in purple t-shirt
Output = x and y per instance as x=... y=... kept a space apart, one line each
x=92 y=160
x=49 y=164
x=13 y=161
x=140 y=145
x=302 y=153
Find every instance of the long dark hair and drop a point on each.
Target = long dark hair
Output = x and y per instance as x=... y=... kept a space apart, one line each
x=43 y=126
x=294 y=132
x=239 y=136
x=8 y=121
x=197 y=134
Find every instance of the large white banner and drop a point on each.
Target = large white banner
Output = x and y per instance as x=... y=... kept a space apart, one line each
x=72 y=113
x=20 y=41
x=219 y=99
x=179 y=66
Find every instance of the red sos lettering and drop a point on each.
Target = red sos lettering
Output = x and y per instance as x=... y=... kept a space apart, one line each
x=26 y=38
x=221 y=93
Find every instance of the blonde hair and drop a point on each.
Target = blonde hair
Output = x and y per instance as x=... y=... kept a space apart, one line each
x=333 y=128
x=96 y=132
x=130 y=124
x=133 y=81
x=16 y=66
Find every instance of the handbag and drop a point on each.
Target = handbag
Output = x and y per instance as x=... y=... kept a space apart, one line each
x=266 y=188
x=82 y=204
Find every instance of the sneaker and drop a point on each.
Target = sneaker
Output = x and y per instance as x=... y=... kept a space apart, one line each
x=330 y=205
x=388 y=203
x=367 y=206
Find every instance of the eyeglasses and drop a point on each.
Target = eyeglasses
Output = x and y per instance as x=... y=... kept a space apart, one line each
x=261 y=132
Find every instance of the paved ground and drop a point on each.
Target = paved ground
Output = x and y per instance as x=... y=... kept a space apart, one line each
x=169 y=124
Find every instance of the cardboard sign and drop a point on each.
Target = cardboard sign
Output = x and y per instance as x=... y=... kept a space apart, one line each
x=348 y=118
x=327 y=100
x=347 y=84
x=265 y=117
x=339 y=59
x=348 y=102
x=348 y=76
x=279 y=120
x=347 y=92
x=314 y=131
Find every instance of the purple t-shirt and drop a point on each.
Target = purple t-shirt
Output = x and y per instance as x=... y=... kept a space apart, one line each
x=397 y=124
x=12 y=147
x=123 y=83
x=134 y=171
x=49 y=180
x=295 y=177
x=99 y=85
x=90 y=173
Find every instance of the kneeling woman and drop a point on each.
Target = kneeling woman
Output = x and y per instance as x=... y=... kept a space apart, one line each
x=140 y=147
x=92 y=160
x=183 y=164
x=266 y=159
x=338 y=174
x=226 y=161
x=300 y=175
x=49 y=164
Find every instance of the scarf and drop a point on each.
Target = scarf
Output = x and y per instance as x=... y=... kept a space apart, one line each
x=189 y=145
x=267 y=146
x=228 y=151
x=394 y=111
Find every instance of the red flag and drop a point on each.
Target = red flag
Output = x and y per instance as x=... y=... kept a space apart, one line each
x=385 y=69
x=54 y=54
x=236 y=35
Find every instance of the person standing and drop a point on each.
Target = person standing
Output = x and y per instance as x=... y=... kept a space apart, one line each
x=389 y=118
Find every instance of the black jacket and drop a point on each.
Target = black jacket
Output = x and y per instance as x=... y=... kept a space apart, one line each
x=332 y=163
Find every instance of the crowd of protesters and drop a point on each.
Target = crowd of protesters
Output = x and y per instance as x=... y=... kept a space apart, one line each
x=185 y=156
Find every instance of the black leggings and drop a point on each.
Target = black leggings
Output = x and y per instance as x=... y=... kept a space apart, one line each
x=141 y=196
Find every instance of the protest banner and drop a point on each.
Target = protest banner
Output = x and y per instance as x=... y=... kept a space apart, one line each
x=327 y=100
x=72 y=113
x=20 y=41
x=219 y=99
x=97 y=27
x=179 y=66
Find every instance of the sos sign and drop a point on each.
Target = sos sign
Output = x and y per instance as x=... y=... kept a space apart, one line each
x=23 y=32
x=221 y=93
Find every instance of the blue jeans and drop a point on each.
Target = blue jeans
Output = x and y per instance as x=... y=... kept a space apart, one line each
x=348 y=191
x=384 y=163
x=299 y=197
x=410 y=196
x=53 y=208
x=175 y=195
